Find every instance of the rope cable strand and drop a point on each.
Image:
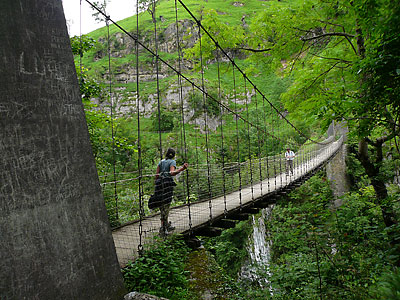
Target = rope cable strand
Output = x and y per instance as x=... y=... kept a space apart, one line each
x=183 y=115
x=237 y=138
x=112 y=118
x=140 y=165
x=222 y=132
x=250 y=169
x=205 y=126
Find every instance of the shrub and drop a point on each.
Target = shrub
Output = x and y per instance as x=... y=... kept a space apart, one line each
x=160 y=270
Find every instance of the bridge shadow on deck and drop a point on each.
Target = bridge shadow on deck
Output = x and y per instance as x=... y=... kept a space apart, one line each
x=210 y=217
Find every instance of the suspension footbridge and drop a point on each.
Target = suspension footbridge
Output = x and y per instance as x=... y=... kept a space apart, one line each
x=189 y=218
x=248 y=125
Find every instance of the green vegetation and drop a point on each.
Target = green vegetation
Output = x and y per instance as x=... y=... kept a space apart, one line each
x=321 y=61
x=318 y=252
x=160 y=271
x=230 y=248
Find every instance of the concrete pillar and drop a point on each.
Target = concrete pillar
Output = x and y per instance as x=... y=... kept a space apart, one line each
x=55 y=239
x=336 y=169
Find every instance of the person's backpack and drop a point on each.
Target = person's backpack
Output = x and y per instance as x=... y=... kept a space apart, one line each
x=163 y=192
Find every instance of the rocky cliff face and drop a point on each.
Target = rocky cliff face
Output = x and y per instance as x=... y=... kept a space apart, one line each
x=125 y=101
x=122 y=45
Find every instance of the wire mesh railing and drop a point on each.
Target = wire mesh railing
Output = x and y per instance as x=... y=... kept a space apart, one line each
x=267 y=172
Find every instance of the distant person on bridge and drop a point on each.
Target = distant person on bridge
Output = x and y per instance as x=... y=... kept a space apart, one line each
x=289 y=155
x=165 y=187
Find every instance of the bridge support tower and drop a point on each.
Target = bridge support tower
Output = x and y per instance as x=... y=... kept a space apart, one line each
x=56 y=241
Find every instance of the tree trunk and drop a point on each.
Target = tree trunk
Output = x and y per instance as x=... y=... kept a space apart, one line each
x=378 y=184
x=371 y=168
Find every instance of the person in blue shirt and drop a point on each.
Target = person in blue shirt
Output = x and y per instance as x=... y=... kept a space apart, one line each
x=165 y=170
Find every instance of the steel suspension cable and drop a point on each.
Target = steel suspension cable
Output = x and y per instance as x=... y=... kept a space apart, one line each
x=112 y=117
x=205 y=125
x=183 y=115
x=226 y=107
x=197 y=154
x=244 y=75
x=154 y=19
x=266 y=144
x=221 y=110
x=274 y=116
x=237 y=137
x=202 y=89
x=248 y=140
x=279 y=147
x=259 y=147
x=140 y=165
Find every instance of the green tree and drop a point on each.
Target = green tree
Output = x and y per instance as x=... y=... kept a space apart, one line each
x=163 y=121
x=81 y=44
x=344 y=62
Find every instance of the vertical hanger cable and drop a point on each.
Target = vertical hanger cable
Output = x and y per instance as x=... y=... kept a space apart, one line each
x=237 y=136
x=140 y=165
x=250 y=163
x=182 y=114
x=205 y=124
x=259 y=145
x=221 y=110
x=107 y=19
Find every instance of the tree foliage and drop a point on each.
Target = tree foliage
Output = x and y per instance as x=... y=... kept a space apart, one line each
x=323 y=253
x=343 y=61
x=82 y=44
x=160 y=271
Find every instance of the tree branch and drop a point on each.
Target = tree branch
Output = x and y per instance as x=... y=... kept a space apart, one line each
x=323 y=73
x=328 y=34
x=352 y=46
x=374 y=119
x=254 y=50
x=297 y=57
x=346 y=35
x=332 y=58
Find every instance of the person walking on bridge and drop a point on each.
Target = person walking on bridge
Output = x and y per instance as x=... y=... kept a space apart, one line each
x=289 y=155
x=165 y=184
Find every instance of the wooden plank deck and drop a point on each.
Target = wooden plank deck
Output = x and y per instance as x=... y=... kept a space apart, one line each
x=127 y=238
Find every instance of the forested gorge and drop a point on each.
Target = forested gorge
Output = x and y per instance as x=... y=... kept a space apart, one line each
x=317 y=61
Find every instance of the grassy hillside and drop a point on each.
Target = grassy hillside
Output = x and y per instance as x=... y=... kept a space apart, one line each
x=227 y=9
x=123 y=61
